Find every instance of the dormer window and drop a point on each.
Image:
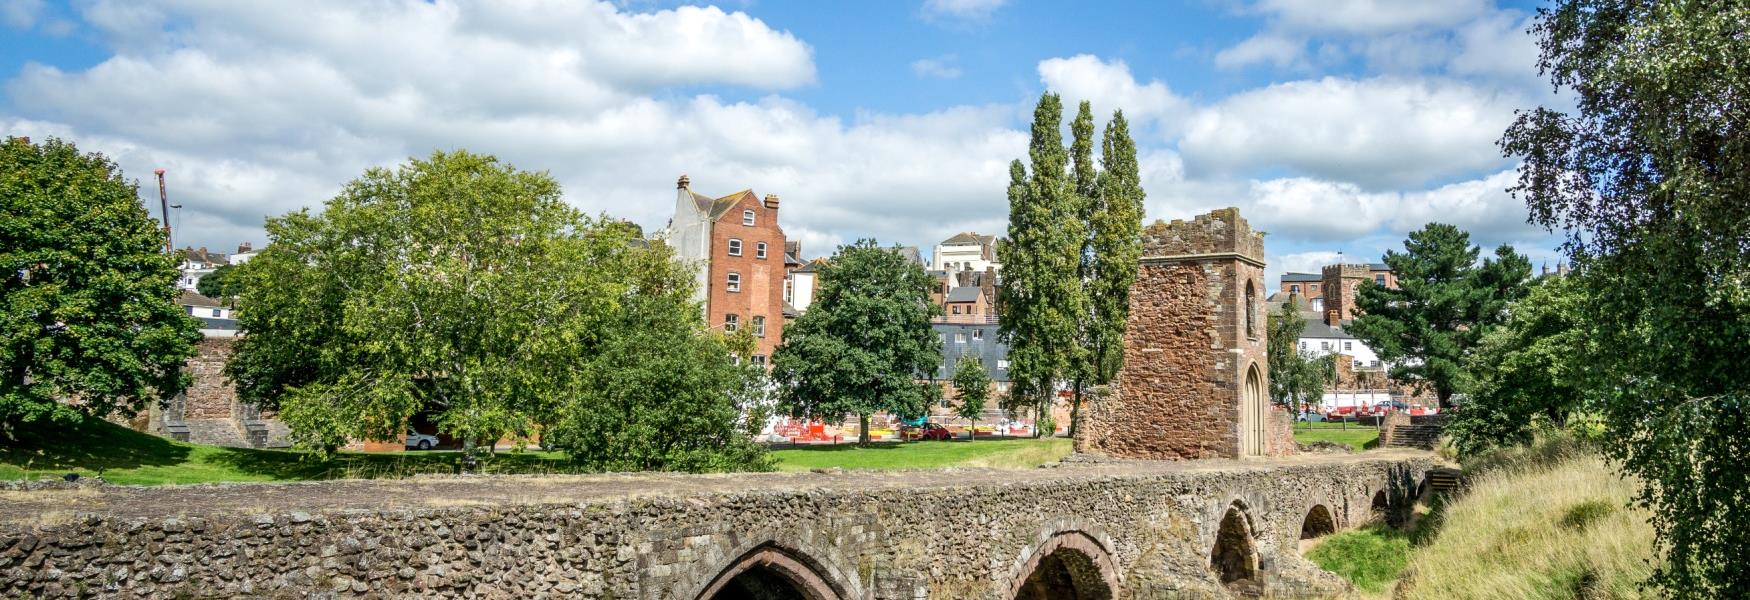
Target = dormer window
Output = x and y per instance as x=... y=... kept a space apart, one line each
x=747 y=218
x=759 y=250
x=734 y=247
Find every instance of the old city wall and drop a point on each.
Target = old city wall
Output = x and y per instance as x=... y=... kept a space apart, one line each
x=210 y=395
x=1194 y=335
x=1140 y=530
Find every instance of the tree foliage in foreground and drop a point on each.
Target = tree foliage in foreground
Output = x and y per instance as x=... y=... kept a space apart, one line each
x=1113 y=204
x=89 y=324
x=1529 y=374
x=1042 y=297
x=1297 y=377
x=222 y=284
x=863 y=343
x=972 y=389
x=466 y=289
x=1445 y=301
x=1649 y=176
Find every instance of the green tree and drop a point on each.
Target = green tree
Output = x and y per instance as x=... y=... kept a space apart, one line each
x=972 y=389
x=1296 y=377
x=863 y=343
x=1530 y=372
x=1042 y=297
x=90 y=325
x=467 y=289
x=1110 y=260
x=1648 y=174
x=661 y=394
x=1444 y=302
x=222 y=284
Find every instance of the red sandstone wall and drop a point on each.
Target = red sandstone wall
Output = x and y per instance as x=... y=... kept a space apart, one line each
x=210 y=395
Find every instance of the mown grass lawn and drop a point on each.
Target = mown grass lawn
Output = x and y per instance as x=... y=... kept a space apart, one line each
x=124 y=456
x=1010 y=453
x=1358 y=437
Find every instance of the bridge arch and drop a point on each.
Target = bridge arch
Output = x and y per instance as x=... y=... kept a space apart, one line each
x=791 y=564
x=1070 y=564
x=1234 y=556
x=1318 y=522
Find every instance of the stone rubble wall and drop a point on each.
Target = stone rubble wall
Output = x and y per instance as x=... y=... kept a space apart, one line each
x=885 y=542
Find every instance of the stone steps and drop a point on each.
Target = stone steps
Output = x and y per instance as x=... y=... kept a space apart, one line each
x=1423 y=436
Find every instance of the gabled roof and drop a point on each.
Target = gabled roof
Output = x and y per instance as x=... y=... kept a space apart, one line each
x=967 y=237
x=964 y=294
x=715 y=208
x=812 y=266
x=911 y=253
x=790 y=260
x=189 y=298
x=1316 y=329
x=1301 y=277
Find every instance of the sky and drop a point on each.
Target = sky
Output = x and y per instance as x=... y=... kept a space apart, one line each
x=1337 y=126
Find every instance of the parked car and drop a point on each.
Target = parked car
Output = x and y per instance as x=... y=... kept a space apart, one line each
x=1394 y=405
x=929 y=431
x=1311 y=417
x=417 y=440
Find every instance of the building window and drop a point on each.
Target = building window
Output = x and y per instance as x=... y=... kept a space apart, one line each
x=747 y=218
x=759 y=326
x=1347 y=346
x=190 y=309
x=1002 y=364
x=1313 y=287
x=955 y=308
x=759 y=359
x=759 y=250
x=215 y=312
x=959 y=338
x=734 y=247
x=977 y=334
x=730 y=322
x=734 y=282
x=1326 y=346
x=1303 y=345
x=1379 y=279
x=1294 y=289
x=1251 y=311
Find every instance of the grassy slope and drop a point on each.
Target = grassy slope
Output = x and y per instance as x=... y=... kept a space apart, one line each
x=1563 y=531
x=1550 y=522
x=124 y=456
x=1020 y=453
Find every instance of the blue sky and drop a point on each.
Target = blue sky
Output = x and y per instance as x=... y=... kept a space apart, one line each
x=1336 y=125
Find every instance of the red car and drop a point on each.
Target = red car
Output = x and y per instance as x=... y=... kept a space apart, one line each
x=930 y=431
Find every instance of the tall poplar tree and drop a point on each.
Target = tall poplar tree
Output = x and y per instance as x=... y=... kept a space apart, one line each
x=1113 y=248
x=1041 y=294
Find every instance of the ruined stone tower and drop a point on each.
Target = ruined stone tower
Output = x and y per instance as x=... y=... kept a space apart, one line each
x=1194 y=382
x=1339 y=284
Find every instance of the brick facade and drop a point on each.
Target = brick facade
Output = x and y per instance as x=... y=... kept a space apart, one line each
x=760 y=292
x=1339 y=286
x=1195 y=378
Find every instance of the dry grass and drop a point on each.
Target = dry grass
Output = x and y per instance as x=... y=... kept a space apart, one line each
x=1544 y=524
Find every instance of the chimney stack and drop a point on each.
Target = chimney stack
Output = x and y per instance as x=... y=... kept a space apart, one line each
x=772 y=201
x=243 y=248
x=683 y=183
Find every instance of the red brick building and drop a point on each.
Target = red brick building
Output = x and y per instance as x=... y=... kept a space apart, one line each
x=738 y=247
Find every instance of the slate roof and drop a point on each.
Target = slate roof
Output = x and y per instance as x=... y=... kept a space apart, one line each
x=967 y=237
x=964 y=294
x=1316 y=329
x=812 y=266
x=715 y=208
x=911 y=253
x=1302 y=277
x=189 y=298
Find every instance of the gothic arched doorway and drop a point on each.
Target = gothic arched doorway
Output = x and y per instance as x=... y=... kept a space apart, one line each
x=1254 y=414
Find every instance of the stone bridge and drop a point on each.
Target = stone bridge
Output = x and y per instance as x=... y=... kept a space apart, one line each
x=1114 y=529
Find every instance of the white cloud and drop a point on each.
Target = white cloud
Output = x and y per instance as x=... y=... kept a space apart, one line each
x=1275 y=49
x=1369 y=16
x=963 y=9
x=1109 y=85
x=1315 y=210
x=21 y=14
x=941 y=67
x=1374 y=132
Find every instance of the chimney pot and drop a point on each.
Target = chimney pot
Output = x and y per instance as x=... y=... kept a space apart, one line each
x=682 y=183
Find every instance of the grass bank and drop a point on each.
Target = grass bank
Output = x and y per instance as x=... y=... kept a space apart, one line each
x=1550 y=521
x=1010 y=453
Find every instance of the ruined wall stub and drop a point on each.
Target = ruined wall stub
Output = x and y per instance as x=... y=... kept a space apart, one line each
x=1195 y=380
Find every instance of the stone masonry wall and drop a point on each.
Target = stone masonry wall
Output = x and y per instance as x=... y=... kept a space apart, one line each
x=969 y=535
x=210 y=395
x=1340 y=282
x=1193 y=335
